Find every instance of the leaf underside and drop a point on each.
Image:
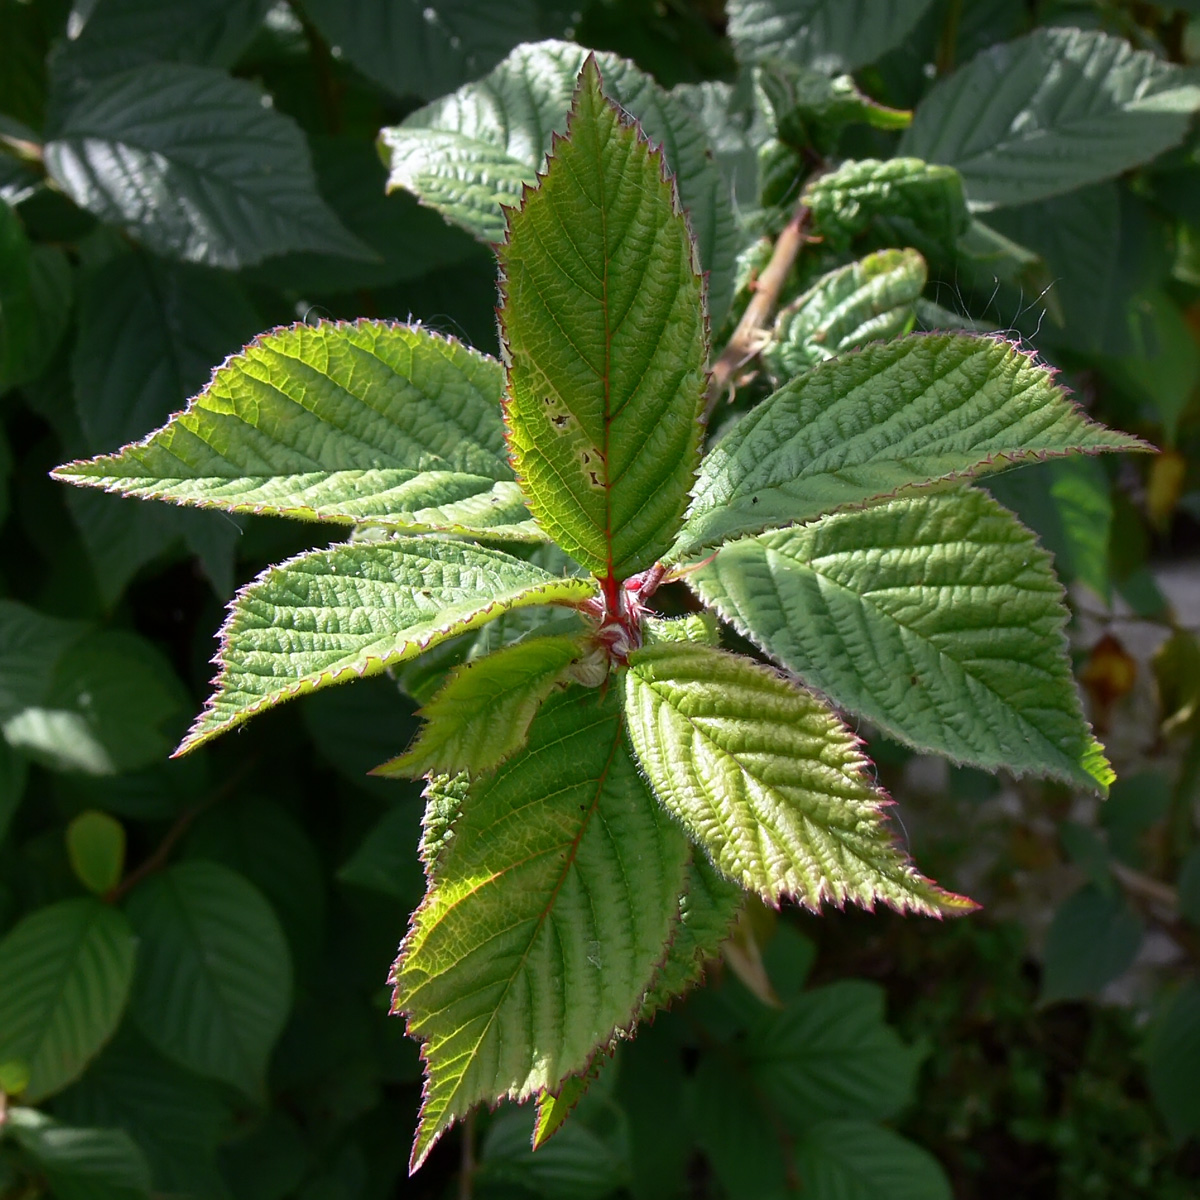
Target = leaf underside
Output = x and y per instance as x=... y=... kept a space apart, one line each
x=892 y=416
x=766 y=779
x=936 y=616
x=538 y=938
x=363 y=422
x=603 y=326
x=354 y=610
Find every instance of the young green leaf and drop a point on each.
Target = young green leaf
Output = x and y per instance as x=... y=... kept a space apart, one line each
x=767 y=780
x=827 y=35
x=481 y=715
x=357 y=609
x=96 y=849
x=65 y=974
x=553 y=1108
x=214 y=983
x=470 y=154
x=891 y=416
x=859 y=303
x=364 y=422
x=905 y=200
x=603 y=325
x=547 y=912
x=194 y=165
x=1051 y=112
x=936 y=616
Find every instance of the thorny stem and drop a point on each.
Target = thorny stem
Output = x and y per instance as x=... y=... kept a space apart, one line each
x=747 y=337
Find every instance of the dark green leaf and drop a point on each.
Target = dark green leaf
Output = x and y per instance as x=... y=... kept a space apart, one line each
x=1173 y=1062
x=851 y=1160
x=96 y=848
x=1092 y=940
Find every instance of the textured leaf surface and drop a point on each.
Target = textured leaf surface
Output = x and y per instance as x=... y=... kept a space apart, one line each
x=414 y=48
x=1051 y=112
x=539 y=938
x=604 y=334
x=364 y=422
x=902 y=200
x=338 y=614
x=830 y=1053
x=483 y=711
x=852 y=1160
x=926 y=407
x=768 y=781
x=936 y=616
x=191 y=163
x=65 y=973
x=872 y=299
x=828 y=35
x=214 y=981
x=469 y=154
x=82 y=1164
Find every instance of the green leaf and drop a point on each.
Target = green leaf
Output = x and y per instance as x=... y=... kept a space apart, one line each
x=214 y=982
x=872 y=299
x=355 y=610
x=470 y=154
x=538 y=939
x=237 y=173
x=708 y=908
x=149 y=336
x=1093 y=939
x=30 y=645
x=852 y=1160
x=1050 y=112
x=604 y=335
x=385 y=861
x=553 y=1108
x=14 y=770
x=766 y=779
x=1173 y=1062
x=935 y=615
x=110 y=703
x=365 y=422
x=830 y=1053
x=901 y=200
x=96 y=848
x=17 y=329
x=827 y=35
x=418 y=49
x=65 y=973
x=481 y=715
x=82 y=1164
x=888 y=417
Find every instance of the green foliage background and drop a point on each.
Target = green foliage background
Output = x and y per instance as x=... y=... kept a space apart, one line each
x=193 y=952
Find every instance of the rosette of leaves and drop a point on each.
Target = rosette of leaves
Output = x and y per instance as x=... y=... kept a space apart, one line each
x=599 y=795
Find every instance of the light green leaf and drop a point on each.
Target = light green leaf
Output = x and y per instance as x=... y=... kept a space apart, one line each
x=481 y=715
x=902 y=200
x=936 y=616
x=827 y=35
x=872 y=299
x=414 y=48
x=470 y=154
x=65 y=972
x=82 y=1164
x=1093 y=939
x=150 y=334
x=766 y=779
x=335 y=615
x=708 y=908
x=538 y=939
x=364 y=422
x=1050 y=112
x=190 y=162
x=852 y=1160
x=96 y=849
x=879 y=420
x=604 y=334
x=553 y=1108
x=214 y=982
x=831 y=1053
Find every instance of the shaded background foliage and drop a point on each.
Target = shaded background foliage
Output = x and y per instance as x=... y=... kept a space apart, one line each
x=193 y=951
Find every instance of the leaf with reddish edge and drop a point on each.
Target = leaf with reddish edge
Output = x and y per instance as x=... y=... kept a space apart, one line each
x=603 y=327
x=538 y=939
x=357 y=609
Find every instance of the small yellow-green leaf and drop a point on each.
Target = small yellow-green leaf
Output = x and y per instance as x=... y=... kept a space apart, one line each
x=96 y=848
